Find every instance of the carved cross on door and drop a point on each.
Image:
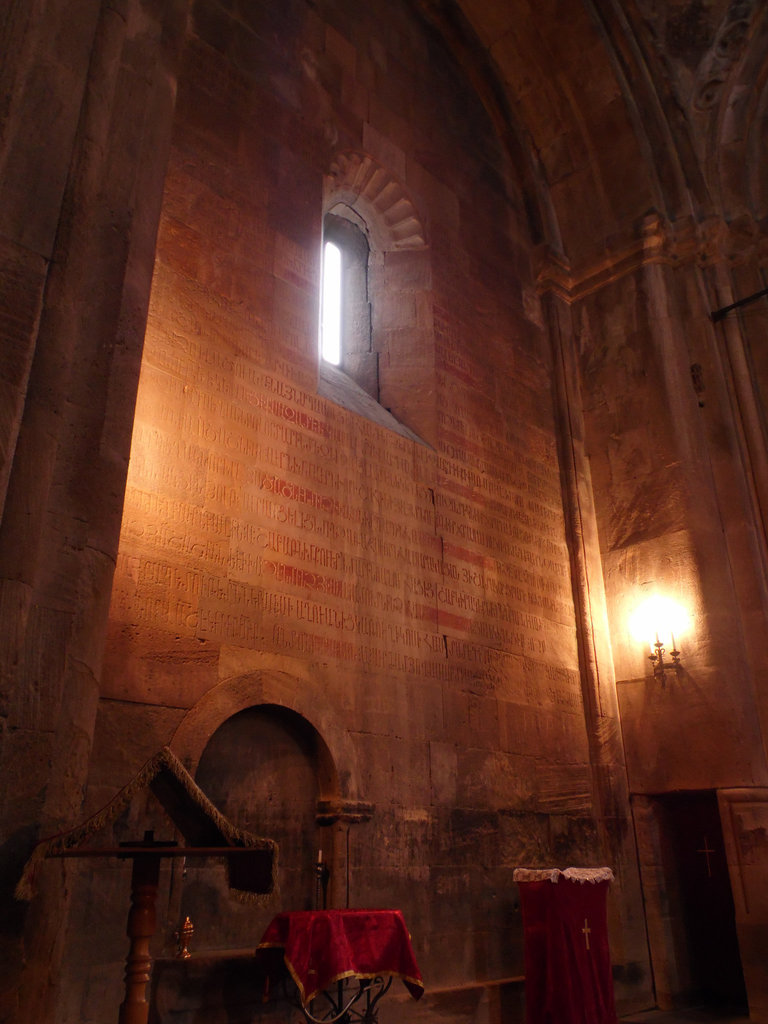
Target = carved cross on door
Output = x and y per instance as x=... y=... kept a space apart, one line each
x=706 y=850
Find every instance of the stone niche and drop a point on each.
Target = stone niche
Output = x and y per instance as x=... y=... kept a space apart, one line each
x=264 y=764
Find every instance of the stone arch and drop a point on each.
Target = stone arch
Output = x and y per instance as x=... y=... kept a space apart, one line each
x=306 y=780
x=264 y=768
x=360 y=182
x=339 y=773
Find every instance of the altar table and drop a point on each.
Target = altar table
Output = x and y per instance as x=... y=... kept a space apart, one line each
x=321 y=947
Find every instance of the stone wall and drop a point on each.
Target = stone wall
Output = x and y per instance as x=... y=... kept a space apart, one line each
x=665 y=494
x=80 y=205
x=677 y=514
x=410 y=599
x=389 y=631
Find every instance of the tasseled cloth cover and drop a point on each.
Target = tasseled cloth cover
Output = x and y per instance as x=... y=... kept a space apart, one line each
x=568 y=976
x=321 y=947
x=252 y=878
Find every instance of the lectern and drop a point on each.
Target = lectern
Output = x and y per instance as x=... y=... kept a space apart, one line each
x=251 y=861
x=567 y=960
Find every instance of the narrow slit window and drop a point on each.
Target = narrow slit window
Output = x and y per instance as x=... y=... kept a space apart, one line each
x=330 y=322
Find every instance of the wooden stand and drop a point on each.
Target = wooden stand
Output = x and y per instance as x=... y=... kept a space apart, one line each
x=142 y=924
x=142 y=918
x=205 y=830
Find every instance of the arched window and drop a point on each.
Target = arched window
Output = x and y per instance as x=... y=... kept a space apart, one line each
x=377 y=345
x=345 y=334
x=330 y=305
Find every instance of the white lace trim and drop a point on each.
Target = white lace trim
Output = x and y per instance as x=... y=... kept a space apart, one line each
x=536 y=874
x=580 y=875
x=592 y=875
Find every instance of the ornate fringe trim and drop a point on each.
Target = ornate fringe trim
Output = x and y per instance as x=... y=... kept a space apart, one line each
x=163 y=763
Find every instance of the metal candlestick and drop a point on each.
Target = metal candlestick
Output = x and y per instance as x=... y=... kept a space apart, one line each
x=183 y=938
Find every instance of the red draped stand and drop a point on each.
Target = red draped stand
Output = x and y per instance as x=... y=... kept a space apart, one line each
x=344 y=959
x=567 y=960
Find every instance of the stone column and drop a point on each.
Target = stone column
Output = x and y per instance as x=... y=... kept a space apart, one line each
x=610 y=788
x=86 y=242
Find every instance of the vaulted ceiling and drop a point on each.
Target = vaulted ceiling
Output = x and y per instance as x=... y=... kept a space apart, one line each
x=641 y=106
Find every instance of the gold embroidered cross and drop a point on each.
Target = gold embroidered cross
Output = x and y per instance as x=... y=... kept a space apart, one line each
x=586 y=931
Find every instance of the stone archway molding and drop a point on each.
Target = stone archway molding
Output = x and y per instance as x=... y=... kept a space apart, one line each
x=340 y=798
x=373 y=191
x=734 y=97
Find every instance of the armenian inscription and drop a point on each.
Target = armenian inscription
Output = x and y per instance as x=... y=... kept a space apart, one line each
x=260 y=514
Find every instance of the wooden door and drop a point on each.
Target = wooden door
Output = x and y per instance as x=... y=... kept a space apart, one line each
x=700 y=898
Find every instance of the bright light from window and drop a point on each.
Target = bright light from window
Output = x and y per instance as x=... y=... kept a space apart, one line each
x=330 y=321
x=659 y=618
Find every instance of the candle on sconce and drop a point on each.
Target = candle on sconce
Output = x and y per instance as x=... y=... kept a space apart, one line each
x=658 y=622
x=662 y=618
x=322 y=874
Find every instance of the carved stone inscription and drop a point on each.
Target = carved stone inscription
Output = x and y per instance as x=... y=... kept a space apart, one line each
x=260 y=515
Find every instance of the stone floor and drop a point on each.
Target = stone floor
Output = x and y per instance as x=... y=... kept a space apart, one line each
x=699 y=1015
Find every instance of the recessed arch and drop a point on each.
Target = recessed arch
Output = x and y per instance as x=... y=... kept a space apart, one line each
x=266 y=767
x=338 y=758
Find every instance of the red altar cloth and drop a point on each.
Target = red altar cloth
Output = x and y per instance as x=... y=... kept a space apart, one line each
x=323 y=946
x=568 y=977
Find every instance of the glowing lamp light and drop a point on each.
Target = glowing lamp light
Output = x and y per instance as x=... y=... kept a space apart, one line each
x=658 y=622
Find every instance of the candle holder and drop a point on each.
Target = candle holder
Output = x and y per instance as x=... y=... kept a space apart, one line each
x=183 y=938
x=322 y=874
x=659 y=664
x=655 y=622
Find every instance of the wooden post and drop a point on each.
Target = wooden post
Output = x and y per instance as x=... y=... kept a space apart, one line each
x=142 y=922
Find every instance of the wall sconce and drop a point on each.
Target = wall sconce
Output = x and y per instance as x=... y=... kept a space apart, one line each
x=656 y=622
